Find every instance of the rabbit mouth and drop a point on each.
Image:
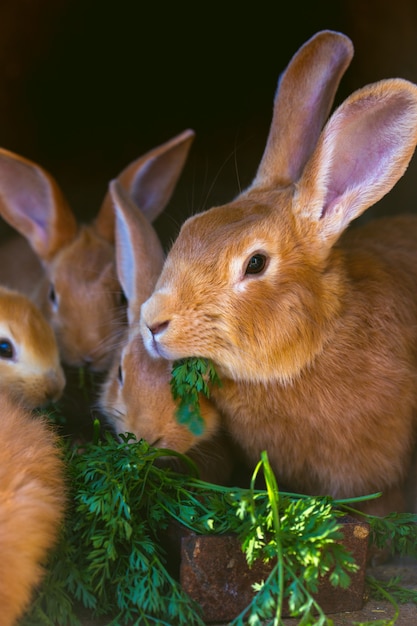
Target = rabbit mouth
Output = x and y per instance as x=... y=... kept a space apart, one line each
x=154 y=346
x=157 y=349
x=157 y=443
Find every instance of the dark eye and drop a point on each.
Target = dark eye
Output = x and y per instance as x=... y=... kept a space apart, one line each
x=52 y=295
x=6 y=349
x=120 y=375
x=256 y=264
x=122 y=298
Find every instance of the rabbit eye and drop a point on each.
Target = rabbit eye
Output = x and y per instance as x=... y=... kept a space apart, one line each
x=256 y=264
x=120 y=375
x=6 y=349
x=52 y=295
x=122 y=298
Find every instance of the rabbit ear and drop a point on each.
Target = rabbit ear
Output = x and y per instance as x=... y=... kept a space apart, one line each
x=363 y=151
x=139 y=253
x=33 y=204
x=302 y=104
x=150 y=181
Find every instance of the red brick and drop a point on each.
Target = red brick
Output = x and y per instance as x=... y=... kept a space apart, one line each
x=214 y=572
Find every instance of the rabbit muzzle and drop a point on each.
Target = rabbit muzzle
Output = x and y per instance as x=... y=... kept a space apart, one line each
x=155 y=327
x=53 y=386
x=153 y=339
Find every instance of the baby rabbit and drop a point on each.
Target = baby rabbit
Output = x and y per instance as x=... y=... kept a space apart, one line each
x=136 y=396
x=30 y=369
x=79 y=293
x=313 y=331
x=32 y=503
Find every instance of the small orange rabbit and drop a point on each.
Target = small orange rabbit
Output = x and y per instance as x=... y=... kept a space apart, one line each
x=313 y=330
x=30 y=369
x=136 y=396
x=32 y=502
x=73 y=265
x=31 y=469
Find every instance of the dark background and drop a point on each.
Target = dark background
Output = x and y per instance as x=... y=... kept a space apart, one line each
x=86 y=86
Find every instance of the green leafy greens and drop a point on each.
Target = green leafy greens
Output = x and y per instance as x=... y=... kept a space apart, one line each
x=111 y=563
x=190 y=377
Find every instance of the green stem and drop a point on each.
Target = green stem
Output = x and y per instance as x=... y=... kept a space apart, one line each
x=273 y=496
x=375 y=585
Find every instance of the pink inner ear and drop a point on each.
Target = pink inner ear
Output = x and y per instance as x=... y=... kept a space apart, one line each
x=366 y=145
x=33 y=204
x=32 y=208
x=25 y=194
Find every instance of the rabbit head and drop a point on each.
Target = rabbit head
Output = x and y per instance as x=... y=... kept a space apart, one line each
x=79 y=293
x=312 y=329
x=30 y=369
x=228 y=264
x=136 y=396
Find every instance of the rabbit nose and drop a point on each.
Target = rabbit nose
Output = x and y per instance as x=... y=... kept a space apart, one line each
x=158 y=328
x=54 y=385
x=53 y=395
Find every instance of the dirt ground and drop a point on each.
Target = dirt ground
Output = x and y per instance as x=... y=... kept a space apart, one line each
x=372 y=610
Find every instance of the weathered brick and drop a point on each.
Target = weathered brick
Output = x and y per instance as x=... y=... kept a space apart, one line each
x=214 y=572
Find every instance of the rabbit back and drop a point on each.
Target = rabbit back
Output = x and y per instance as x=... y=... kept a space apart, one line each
x=32 y=502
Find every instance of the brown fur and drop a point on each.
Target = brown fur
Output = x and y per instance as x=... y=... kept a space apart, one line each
x=141 y=403
x=78 y=289
x=32 y=374
x=317 y=352
x=32 y=498
x=136 y=396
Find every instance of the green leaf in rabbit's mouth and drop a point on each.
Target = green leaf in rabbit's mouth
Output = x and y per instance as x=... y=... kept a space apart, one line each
x=190 y=377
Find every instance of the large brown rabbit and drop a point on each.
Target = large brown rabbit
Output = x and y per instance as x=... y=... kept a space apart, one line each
x=313 y=332
x=136 y=395
x=71 y=276
x=32 y=500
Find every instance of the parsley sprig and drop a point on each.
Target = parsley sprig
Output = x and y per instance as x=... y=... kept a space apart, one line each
x=110 y=562
x=190 y=378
